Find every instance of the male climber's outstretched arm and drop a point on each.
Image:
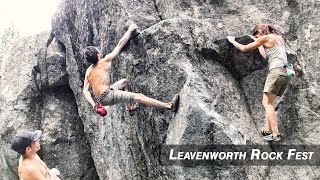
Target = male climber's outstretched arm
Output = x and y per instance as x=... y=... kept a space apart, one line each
x=122 y=42
x=86 y=86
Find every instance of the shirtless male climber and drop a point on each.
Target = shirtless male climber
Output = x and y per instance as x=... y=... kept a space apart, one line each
x=98 y=77
x=31 y=167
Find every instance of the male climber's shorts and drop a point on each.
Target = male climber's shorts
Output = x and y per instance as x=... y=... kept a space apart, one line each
x=115 y=95
x=276 y=82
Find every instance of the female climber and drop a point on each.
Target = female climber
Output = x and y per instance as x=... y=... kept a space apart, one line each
x=271 y=45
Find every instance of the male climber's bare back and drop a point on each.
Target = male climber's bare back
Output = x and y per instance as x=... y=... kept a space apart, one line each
x=99 y=76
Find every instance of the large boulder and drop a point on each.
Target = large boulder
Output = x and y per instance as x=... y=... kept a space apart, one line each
x=35 y=95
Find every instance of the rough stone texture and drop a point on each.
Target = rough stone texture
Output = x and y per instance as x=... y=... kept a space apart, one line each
x=181 y=49
x=35 y=95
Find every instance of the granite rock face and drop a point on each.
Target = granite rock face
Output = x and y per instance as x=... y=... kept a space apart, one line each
x=181 y=49
x=35 y=95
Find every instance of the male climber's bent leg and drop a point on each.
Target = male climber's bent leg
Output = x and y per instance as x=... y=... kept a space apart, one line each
x=173 y=105
x=123 y=86
x=150 y=101
x=117 y=96
x=121 y=95
x=120 y=85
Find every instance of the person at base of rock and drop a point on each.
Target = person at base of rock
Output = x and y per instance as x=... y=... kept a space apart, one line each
x=98 y=76
x=31 y=167
x=270 y=45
